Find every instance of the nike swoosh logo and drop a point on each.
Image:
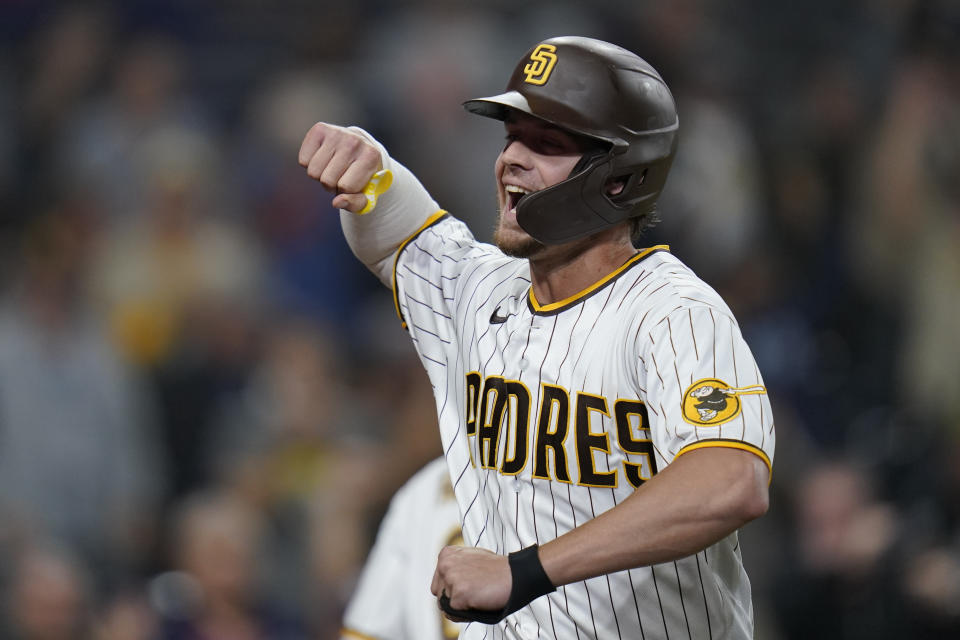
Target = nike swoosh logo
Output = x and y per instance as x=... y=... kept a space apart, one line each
x=496 y=318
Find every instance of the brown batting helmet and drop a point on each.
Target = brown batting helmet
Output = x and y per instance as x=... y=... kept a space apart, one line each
x=604 y=92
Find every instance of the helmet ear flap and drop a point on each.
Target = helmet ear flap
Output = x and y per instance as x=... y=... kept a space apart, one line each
x=588 y=158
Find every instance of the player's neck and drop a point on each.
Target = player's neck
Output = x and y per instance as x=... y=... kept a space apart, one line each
x=563 y=272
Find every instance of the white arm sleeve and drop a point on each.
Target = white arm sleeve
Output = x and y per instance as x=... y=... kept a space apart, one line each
x=375 y=237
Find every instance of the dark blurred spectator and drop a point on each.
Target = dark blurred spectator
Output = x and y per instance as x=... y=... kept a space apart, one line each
x=932 y=594
x=215 y=589
x=47 y=596
x=906 y=236
x=100 y=146
x=67 y=58
x=308 y=268
x=413 y=93
x=714 y=225
x=396 y=392
x=181 y=283
x=300 y=444
x=78 y=453
x=927 y=479
x=58 y=65
x=126 y=615
x=712 y=204
x=839 y=578
x=177 y=253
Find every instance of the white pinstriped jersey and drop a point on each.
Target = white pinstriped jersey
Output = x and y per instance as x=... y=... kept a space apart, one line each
x=553 y=413
x=392 y=599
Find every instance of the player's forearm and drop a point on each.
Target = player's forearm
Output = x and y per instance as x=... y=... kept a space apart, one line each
x=375 y=237
x=699 y=499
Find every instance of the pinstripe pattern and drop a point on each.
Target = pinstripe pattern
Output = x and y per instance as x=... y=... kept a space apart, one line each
x=646 y=334
x=391 y=599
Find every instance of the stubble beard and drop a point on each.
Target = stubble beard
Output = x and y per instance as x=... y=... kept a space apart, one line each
x=513 y=244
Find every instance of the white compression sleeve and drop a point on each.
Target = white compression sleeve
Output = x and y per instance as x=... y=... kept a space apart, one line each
x=375 y=237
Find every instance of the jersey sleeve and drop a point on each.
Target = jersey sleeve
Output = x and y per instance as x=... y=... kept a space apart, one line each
x=704 y=388
x=439 y=264
x=375 y=612
x=392 y=599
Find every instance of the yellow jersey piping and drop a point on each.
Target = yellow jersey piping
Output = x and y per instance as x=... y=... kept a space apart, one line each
x=557 y=307
x=730 y=444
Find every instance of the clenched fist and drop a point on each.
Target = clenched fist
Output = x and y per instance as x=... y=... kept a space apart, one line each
x=343 y=161
x=472 y=579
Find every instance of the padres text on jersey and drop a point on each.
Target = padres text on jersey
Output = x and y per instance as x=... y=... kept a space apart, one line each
x=551 y=414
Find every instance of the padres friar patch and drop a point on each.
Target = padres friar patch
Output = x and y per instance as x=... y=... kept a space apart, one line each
x=711 y=402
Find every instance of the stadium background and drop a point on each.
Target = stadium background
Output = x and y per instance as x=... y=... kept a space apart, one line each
x=202 y=392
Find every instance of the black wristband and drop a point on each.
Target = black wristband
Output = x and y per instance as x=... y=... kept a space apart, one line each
x=529 y=582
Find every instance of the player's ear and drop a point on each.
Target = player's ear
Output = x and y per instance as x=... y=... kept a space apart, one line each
x=615 y=186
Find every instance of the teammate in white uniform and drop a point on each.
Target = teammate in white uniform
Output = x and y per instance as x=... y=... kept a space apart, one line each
x=392 y=599
x=605 y=426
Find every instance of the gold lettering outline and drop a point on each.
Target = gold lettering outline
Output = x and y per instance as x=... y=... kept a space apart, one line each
x=563 y=442
x=606 y=437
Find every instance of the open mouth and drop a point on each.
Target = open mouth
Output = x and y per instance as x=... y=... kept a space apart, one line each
x=515 y=194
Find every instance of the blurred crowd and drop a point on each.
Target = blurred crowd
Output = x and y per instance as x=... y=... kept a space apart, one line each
x=206 y=402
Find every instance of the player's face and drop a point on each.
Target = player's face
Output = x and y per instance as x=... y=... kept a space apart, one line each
x=537 y=155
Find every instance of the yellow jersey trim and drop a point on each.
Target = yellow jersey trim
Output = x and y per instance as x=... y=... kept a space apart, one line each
x=730 y=444
x=432 y=220
x=351 y=633
x=553 y=307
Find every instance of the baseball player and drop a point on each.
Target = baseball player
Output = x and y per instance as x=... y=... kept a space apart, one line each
x=392 y=599
x=596 y=500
